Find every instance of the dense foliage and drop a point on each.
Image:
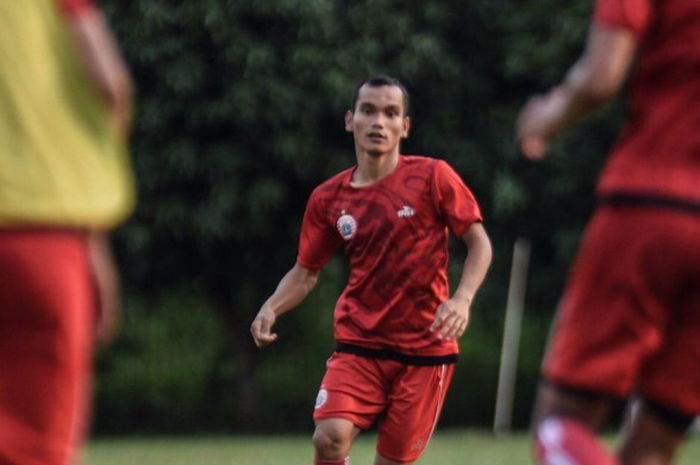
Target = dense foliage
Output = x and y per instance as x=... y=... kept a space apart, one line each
x=240 y=107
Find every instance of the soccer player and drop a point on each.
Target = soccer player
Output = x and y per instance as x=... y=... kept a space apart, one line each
x=65 y=181
x=629 y=320
x=395 y=325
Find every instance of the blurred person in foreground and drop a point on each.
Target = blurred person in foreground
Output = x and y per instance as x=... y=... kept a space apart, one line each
x=396 y=327
x=65 y=181
x=629 y=320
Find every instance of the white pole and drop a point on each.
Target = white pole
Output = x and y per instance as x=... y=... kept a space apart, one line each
x=511 y=336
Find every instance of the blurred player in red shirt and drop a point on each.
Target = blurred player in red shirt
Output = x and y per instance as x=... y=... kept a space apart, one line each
x=396 y=326
x=65 y=182
x=629 y=321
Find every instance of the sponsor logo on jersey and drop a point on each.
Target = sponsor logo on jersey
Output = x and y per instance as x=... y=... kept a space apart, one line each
x=347 y=226
x=321 y=398
x=406 y=212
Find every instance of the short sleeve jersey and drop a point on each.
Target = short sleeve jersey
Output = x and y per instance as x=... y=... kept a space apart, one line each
x=658 y=152
x=395 y=235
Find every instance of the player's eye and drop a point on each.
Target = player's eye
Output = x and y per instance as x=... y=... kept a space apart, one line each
x=392 y=112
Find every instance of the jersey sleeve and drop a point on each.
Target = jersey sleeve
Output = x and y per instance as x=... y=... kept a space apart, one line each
x=453 y=199
x=634 y=15
x=318 y=238
x=75 y=7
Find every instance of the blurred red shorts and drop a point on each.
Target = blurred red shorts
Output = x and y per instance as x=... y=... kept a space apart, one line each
x=406 y=400
x=629 y=320
x=46 y=319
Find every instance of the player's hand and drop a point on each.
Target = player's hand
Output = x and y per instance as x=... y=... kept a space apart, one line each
x=534 y=127
x=262 y=326
x=451 y=319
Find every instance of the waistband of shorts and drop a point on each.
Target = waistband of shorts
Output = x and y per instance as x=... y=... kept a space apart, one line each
x=386 y=354
x=626 y=199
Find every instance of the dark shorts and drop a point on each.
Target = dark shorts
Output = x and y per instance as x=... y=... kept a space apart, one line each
x=629 y=319
x=46 y=336
x=405 y=399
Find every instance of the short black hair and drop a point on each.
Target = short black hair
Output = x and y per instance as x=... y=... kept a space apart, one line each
x=378 y=81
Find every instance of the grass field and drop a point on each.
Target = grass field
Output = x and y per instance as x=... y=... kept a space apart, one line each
x=446 y=448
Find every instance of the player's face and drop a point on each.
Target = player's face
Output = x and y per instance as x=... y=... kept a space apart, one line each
x=378 y=122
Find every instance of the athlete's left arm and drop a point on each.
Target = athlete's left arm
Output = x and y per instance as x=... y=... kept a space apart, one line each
x=105 y=277
x=593 y=81
x=103 y=61
x=452 y=316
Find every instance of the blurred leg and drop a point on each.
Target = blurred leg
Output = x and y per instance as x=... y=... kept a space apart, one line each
x=587 y=408
x=654 y=436
x=565 y=428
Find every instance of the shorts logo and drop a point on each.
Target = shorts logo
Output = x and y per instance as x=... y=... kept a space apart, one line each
x=347 y=226
x=405 y=212
x=321 y=398
x=418 y=445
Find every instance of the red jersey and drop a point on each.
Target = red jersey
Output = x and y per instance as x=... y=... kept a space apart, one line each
x=658 y=152
x=395 y=234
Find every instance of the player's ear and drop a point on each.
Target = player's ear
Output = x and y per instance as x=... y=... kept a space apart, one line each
x=348 y=121
x=406 y=127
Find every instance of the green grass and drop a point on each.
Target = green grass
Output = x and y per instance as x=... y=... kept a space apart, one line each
x=447 y=448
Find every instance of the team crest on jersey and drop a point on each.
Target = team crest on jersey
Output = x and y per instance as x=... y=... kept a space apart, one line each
x=347 y=226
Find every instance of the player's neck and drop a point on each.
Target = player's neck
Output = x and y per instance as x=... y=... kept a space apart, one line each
x=372 y=168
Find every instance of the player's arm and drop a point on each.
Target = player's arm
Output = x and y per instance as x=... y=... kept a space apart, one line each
x=290 y=292
x=103 y=62
x=452 y=316
x=593 y=81
x=105 y=279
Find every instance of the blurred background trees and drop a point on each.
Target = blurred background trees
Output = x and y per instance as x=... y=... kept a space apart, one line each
x=240 y=115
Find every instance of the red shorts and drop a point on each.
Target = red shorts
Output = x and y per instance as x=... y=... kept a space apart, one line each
x=406 y=399
x=46 y=320
x=629 y=320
